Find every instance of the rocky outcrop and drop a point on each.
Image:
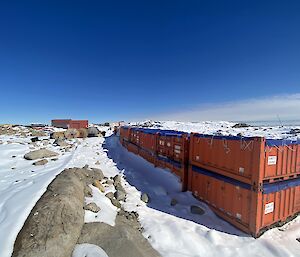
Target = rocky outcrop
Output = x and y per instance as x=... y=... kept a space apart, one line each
x=40 y=162
x=124 y=239
x=39 y=154
x=55 y=223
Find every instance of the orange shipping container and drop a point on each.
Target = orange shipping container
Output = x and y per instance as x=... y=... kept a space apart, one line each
x=252 y=160
x=132 y=148
x=235 y=201
x=125 y=133
x=148 y=139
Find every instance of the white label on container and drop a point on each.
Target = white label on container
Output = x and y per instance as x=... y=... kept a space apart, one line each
x=197 y=158
x=177 y=147
x=239 y=216
x=241 y=170
x=272 y=160
x=269 y=207
x=177 y=151
x=168 y=144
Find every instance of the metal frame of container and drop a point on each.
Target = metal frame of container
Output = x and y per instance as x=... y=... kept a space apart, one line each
x=252 y=160
x=235 y=201
x=172 y=152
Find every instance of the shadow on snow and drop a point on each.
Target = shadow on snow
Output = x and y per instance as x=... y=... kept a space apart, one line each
x=162 y=186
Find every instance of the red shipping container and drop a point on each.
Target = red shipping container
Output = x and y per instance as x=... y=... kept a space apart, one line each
x=235 y=201
x=125 y=133
x=132 y=148
x=252 y=160
x=148 y=140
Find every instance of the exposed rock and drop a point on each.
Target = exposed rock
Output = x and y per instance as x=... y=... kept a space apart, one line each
x=119 y=187
x=56 y=135
x=97 y=163
x=115 y=202
x=117 y=179
x=88 y=192
x=122 y=240
x=98 y=184
x=39 y=154
x=60 y=142
x=120 y=195
x=92 y=207
x=71 y=133
x=98 y=173
x=93 y=132
x=83 y=133
x=109 y=182
x=295 y=131
x=145 y=198
x=173 y=202
x=41 y=162
x=34 y=139
x=54 y=231
x=128 y=215
x=38 y=133
x=45 y=142
x=241 y=125
x=197 y=210
x=110 y=195
x=54 y=159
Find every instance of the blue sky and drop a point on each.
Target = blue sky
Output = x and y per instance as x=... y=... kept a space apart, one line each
x=128 y=60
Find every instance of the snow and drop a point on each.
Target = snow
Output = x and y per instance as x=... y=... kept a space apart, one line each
x=21 y=187
x=88 y=250
x=224 y=128
x=172 y=230
x=107 y=213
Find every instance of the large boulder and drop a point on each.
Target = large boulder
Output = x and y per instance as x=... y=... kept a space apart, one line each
x=55 y=223
x=60 y=142
x=39 y=154
x=56 y=135
x=40 y=162
x=83 y=133
x=71 y=133
x=93 y=132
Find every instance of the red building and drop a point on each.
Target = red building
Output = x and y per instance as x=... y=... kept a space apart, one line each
x=68 y=123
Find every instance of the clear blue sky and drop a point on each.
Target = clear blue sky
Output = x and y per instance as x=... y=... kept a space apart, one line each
x=115 y=60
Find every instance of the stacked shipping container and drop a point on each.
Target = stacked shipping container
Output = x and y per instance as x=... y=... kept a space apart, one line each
x=251 y=182
x=163 y=148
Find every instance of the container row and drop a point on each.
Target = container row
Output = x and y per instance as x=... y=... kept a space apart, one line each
x=252 y=182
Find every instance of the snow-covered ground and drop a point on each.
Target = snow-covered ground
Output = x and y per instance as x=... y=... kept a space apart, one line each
x=172 y=230
x=224 y=128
